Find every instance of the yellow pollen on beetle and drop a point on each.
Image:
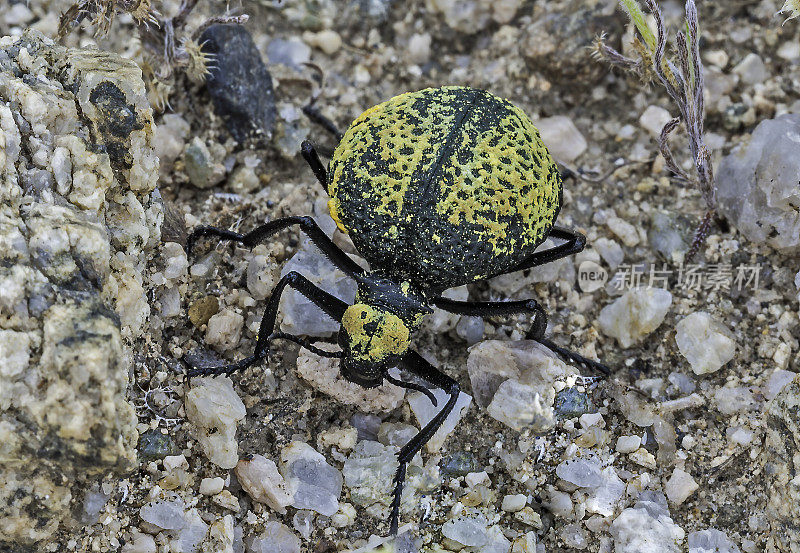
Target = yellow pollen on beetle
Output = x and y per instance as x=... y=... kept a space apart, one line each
x=389 y=335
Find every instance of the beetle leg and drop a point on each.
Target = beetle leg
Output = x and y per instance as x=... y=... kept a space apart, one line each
x=331 y=305
x=536 y=332
x=418 y=366
x=575 y=242
x=259 y=234
x=311 y=156
x=315 y=116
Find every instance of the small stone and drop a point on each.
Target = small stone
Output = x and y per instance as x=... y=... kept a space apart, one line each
x=635 y=315
x=154 y=445
x=474 y=479
x=345 y=517
x=303 y=521
x=239 y=83
x=226 y=500
x=636 y=530
x=419 y=48
x=680 y=486
x=214 y=408
x=203 y=309
x=710 y=541
x=211 y=486
x=653 y=119
x=604 y=498
x=623 y=230
x=643 y=458
x=470 y=329
x=521 y=406
x=276 y=538
x=139 y=543
x=468 y=531
x=310 y=481
x=368 y=473
x=261 y=480
x=224 y=329
x=166 y=515
x=562 y=137
x=734 y=400
x=458 y=463
x=584 y=473
x=514 y=503
x=752 y=70
x=529 y=517
x=574 y=536
x=201 y=165
x=704 y=342
x=777 y=380
x=572 y=402
x=628 y=444
x=739 y=435
x=668 y=233
x=169 y=140
x=424 y=411
x=328 y=41
x=396 y=434
x=610 y=251
x=292 y=52
x=173 y=462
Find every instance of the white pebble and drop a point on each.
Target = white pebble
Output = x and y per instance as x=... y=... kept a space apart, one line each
x=214 y=408
x=706 y=343
x=653 y=119
x=628 y=444
x=680 y=486
x=514 y=503
x=211 y=486
x=224 y=329
x=635 y=315
x=561 y=137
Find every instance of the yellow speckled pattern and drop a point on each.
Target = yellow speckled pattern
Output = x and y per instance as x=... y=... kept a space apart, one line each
x=374 y=334
x=444 y=186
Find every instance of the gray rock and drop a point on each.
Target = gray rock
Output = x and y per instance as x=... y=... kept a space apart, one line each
x=369 y=471
x=637 y=529
x=470 y=531
x=571 y=402
x=166 y=515
x=710 y=541
x=78 y=175
x=310 y=480
x=584 y=473
x=239 y=84
x=667 y=234
x=276 y=538
x=459 y=463
x=299 y=314
x=757 y=185
x=780 y=464
x=153 y=445
x=635 y=315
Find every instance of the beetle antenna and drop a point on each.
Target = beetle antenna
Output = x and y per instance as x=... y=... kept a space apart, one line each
x=412 y=386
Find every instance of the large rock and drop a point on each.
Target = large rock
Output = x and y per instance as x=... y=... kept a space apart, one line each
x=78 y=212
x=239 y=83
x=757 y=185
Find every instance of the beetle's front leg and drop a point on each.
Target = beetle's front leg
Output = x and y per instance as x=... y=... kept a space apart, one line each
x=331 y=305
x=418 y=366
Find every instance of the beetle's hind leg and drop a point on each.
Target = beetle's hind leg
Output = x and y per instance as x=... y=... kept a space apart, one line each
x=331 y=305
x=315 y=116
x=418 y=366
x=536 y=332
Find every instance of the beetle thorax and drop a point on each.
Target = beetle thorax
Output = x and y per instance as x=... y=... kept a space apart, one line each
x=376 y=329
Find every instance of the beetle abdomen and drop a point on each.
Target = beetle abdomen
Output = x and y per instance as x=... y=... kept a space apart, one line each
x=444 y=186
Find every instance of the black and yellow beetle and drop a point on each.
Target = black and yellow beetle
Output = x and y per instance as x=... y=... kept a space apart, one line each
x=436 y=188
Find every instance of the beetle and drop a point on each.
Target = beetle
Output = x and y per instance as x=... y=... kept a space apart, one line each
x=436 y=188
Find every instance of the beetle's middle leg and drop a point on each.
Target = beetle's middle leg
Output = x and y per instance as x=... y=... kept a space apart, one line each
x=330 y=305
x=536 y=332
x=261 y=233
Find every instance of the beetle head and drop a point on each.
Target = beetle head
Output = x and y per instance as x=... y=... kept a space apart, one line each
x=376 y=330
